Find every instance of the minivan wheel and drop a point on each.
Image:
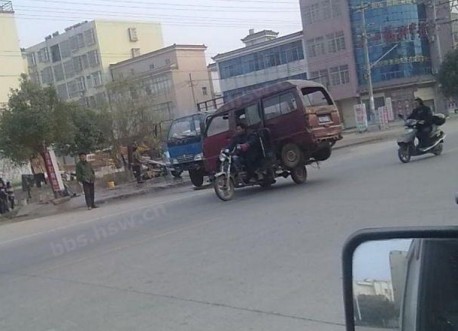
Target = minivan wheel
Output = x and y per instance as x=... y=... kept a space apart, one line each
x=197 y=177
x=291 y=155
x=299 y=174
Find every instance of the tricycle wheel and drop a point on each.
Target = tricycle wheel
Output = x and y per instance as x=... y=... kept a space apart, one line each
x=291 y=156
x=404 y=153
x=176 y=174
x=299 y=174
x=197 y=177
x=224 y=188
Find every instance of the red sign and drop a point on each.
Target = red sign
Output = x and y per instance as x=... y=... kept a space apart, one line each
x=52 y=172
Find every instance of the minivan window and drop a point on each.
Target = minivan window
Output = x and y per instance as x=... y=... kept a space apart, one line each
x=249 y=116
x=218 y=125
x=279 y=105
x=316 y=96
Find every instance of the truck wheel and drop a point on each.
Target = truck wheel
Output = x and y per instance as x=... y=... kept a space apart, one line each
x=197 y=177
x=291 y=156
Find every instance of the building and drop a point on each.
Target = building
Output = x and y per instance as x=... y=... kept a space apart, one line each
x=11 y=61
x=329 y=48
x=174 y=79
x=403 y=50
x=398 y=266
x=214 y=80
x=373 y=288
x=77 y=61
x=265 y=59
x=455 y=29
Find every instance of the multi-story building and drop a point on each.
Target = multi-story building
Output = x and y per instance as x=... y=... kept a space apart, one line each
x=374 y=288
x=455 y=29
x=403 y=50
x=174 y=80
x=265 y=59
x=77 y=61
x=11 y=62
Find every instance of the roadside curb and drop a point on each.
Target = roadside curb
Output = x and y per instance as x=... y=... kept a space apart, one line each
x=140 y=192
x=361 y=142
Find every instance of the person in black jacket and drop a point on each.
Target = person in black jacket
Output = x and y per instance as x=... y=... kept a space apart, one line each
x=247 y=145
x=424 y=115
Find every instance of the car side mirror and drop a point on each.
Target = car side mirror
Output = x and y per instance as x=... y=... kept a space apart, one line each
x=401 y=279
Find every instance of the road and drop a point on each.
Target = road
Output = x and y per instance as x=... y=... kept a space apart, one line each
x=268 y=260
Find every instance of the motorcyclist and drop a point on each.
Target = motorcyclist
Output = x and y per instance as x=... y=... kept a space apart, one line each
x=424 y=115
x=247 y=145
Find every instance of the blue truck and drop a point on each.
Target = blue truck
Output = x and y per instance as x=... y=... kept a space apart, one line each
x=184 y=147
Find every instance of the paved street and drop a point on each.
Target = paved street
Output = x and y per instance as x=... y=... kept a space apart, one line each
x=268 y=260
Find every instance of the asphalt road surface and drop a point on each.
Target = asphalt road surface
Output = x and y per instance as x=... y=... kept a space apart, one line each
x=268 y=260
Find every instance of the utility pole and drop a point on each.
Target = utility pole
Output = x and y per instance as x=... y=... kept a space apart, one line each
x=191 y=84
x=436 y=33
x=368 y=62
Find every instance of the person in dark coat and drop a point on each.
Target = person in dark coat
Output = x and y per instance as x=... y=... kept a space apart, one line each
x=424 y=115
x=85 y=175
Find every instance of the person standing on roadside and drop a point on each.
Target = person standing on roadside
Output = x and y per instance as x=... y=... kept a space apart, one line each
x=137 y=164
x=85 y=175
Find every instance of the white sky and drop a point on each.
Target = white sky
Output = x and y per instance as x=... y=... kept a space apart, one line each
x=219 y=24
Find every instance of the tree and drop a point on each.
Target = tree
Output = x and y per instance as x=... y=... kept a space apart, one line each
x=34 y=120
x=448 y=74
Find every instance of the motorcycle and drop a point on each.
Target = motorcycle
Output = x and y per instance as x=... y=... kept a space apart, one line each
x=232 y=175
x=406 y=143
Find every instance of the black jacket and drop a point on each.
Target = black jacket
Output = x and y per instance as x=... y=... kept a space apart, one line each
x=422 y=113
x=245 y=138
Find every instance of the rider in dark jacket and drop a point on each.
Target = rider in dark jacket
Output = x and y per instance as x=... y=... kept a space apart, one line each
x=247 y=145
x=424 y=115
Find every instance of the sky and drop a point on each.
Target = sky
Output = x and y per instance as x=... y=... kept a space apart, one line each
x=219 y=24
x=371 y=259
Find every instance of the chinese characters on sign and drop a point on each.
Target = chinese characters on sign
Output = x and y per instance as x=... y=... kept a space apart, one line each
x=55 y=178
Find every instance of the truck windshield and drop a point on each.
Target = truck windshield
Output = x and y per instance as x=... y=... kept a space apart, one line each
x=184 y=128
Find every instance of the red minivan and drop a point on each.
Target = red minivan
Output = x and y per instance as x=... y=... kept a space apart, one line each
x=301 y=116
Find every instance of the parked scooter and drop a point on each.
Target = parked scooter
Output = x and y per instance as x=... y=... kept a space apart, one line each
x=406 y=143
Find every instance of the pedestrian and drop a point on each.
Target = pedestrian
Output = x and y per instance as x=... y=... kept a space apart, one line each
x=3 y=198
x=38 y=170
x=10 y=193
x=137 y=164
x=85 y=175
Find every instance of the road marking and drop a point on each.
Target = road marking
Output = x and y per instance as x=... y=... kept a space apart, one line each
x=124 y=211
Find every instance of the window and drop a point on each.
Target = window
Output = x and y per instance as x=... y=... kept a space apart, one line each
x=158 y=85
x=84 y=61
x=279 y=105
x=218 y=125
x=339 y=75
x=65 y=50
x=55 y=53
x=80 y=40
x=31 y=59
x=93 y=57
x=326 y=9
x=43 y=55
x=204 y=90
x=249 y=116
x=167 y=62
x=135 y=52
x=321 y=77
x=151 y=66
x=47 y=76
x=73 y=44
x=81 y=84
x=133 y=34
x=62 y=92
x=69 y=69
x=336 y=9
x=315 y=47
x=73 y=91
x=77 y=65
x=336 y=42
x=97 y=79
x=315 y=96
x=89 y=37
x=59 y=72
x=311 y=13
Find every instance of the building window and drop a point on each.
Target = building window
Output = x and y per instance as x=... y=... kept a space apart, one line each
x=167 y=62
x=339 y=75
x=73 y=44
x=336 y=42
x=77 y=65
x=336 y=8
x=31 y=60
x=312 y=13
x=93 y=57
x=81 y=84
x=55 y=53
x=97 y=79
x=80 y=40
x=135 y=52
x=326 y=9
x=65 y=50
x=43 y=55
x=151 y=67
x=321 y=77
x=47 y=76
x=315 y=47
x=69 y=69
x=204 y=90
x=261 y=60
x=89 y=37
x=133 y=34
x=158 y=85
x=59 y=72
x=62 y=92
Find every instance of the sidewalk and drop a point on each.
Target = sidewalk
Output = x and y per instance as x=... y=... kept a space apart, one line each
x=102 y=196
